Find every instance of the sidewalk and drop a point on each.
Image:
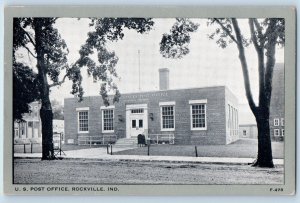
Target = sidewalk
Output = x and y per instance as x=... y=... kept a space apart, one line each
x=100 y=154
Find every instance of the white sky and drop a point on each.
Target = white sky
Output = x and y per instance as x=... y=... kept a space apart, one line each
x=205 y=65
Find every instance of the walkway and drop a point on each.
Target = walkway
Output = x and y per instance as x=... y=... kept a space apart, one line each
x=95 y=154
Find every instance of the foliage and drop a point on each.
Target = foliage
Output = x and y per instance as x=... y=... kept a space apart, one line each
x=55 y=50
x=28 y=85
x=175 y=44
x=24 y=90
x=223 y=34
x=105 y=30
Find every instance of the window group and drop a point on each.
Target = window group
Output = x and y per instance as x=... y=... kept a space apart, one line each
x=277 y=123
x=232 y=120
x=167 y=116
x=197 y=115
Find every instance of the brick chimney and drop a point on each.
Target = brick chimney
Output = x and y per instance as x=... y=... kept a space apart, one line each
x=163 y=79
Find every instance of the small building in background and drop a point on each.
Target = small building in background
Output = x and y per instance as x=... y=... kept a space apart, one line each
x=277 y=104
x=248 y=131
x=29 y=130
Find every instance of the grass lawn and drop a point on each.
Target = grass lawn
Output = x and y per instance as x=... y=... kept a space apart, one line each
x=243 y=148
x=37 y=147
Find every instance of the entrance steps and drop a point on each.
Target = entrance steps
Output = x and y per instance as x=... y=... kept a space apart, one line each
x=126 y=142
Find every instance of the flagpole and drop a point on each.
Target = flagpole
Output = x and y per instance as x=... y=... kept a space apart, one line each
x=139 y=71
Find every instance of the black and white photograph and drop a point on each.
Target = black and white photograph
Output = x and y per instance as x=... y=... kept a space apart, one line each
x=99 y=102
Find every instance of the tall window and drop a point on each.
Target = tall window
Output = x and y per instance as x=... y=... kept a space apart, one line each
x=108 y=120
x=276 y=121
x=282 y=132
x=276 y=132
x=198 y=116
x=282 y=121
x=229 y=117
x=167 y=117
x=83 y=118
x=232 y=118
x=23 y=129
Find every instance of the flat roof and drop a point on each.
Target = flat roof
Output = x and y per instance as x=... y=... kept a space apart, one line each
x=154 y=91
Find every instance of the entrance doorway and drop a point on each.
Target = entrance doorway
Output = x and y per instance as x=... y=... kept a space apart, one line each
x=136 y=120
x=137 y=126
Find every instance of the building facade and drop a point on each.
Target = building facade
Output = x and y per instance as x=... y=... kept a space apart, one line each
x=193 y=116
x=30 y=129
x=277 y=104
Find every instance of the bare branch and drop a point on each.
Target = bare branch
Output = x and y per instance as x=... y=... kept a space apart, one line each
x=226 y=30
x=259 y=31
x=253 y=35
x=260 y=57
x=60 y=82
x=270 y=54
x=244 y=65
x=29 y=51
x=29 y=37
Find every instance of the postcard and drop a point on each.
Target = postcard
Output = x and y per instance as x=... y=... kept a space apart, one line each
x=149 y=100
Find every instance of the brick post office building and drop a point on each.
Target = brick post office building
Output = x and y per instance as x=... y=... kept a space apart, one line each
x=207 y=115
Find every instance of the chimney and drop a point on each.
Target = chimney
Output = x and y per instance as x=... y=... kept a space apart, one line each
x=163 y=79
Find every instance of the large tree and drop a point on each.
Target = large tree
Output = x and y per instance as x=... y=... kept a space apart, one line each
x=265 y=34
x=43 y=43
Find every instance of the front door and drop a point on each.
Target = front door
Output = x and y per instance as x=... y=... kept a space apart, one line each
x=137 y=126
x=136 y=120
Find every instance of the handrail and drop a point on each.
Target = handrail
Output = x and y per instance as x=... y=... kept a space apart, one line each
x=88 y=140
x=162 y=137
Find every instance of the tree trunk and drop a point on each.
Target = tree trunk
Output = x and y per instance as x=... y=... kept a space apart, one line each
x=262 y=112
x=264 y=153
x=46 y=110
x=47 y=129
